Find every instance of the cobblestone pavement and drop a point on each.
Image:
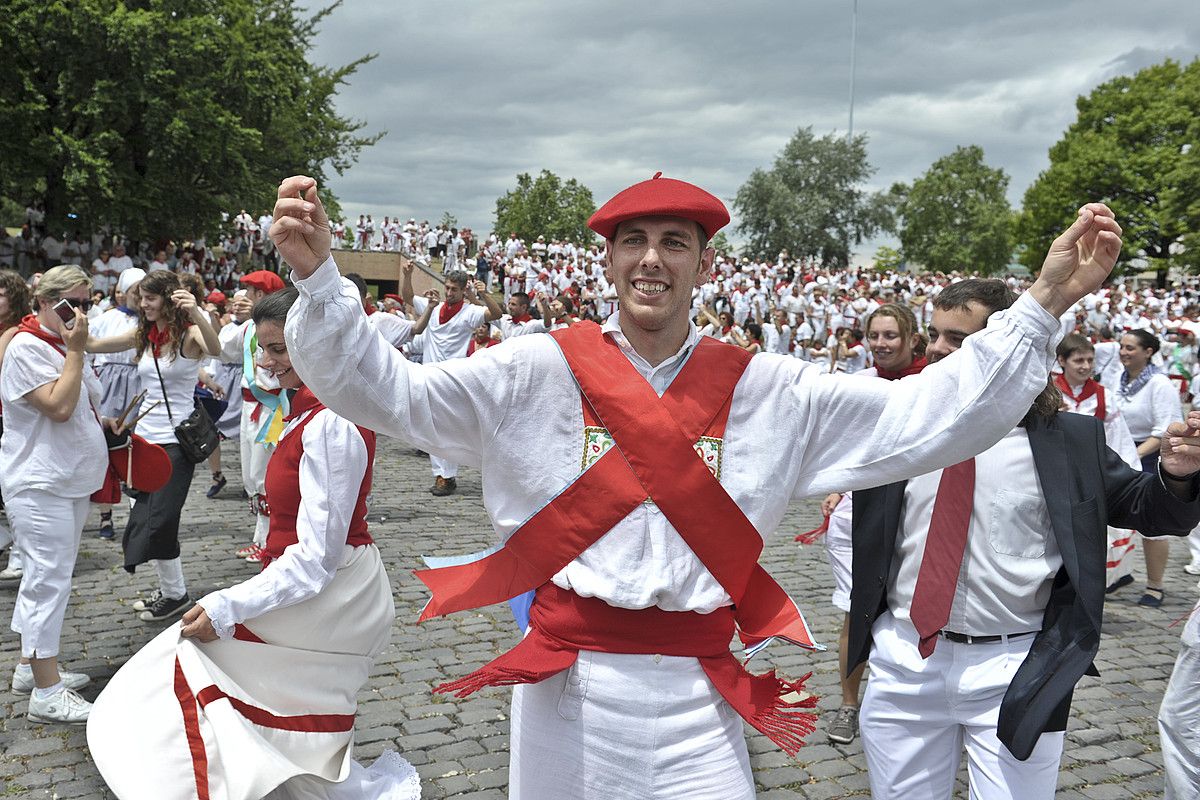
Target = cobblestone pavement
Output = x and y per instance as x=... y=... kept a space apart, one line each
x=461 y=746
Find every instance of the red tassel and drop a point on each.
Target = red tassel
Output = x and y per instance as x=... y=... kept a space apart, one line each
x=813 y=536
x=779 y=722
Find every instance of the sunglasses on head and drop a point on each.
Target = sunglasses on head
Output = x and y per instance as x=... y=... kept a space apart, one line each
x=82 y=305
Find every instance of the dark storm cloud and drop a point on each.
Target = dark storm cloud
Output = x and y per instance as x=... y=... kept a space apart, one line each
x=473 y=93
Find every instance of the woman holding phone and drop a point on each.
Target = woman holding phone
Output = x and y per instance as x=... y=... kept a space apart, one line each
x=53 y=456
x=173 y=335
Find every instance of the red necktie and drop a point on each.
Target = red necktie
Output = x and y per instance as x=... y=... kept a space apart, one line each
x=944 y=548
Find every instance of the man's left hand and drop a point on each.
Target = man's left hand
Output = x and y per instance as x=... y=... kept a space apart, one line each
x=197 y=625
x=1079 y=259
x=1180 y=450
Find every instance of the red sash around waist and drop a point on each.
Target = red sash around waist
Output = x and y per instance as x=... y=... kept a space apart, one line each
x=653 y=457
x=561 y=623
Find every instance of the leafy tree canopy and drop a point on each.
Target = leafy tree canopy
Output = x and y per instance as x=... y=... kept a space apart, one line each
x=812 y=202
x=956 y=215
x=154 y=116
x=546 y=206
x=888 y=258
x=1136 y=146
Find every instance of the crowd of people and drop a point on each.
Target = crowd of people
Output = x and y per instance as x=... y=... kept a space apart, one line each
x=925 y=409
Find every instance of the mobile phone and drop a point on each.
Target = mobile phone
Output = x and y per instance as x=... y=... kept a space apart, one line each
x=66 y=312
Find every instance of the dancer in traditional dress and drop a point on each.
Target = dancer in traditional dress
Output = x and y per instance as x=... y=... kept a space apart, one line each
x=317 y=615
x=644 y=556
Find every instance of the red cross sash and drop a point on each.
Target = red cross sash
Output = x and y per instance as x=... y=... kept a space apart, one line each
x=653 y=456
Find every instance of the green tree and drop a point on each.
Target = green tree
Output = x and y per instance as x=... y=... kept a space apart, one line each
x=1136 y=146
x=449 y=220
x=812 y=202
x=154 y=116
x=546 y=206
x=721 y=244
x=888 y=258
x=956 y=215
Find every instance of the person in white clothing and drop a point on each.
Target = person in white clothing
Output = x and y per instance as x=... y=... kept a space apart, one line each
x=173 y=335
x=53 y=456
x=1179 y=717
x=14 y=305
x=610 y=720
x=446 y=338
x=1149 y=402
x=977 y=590
x=319 y=613
x=517 y=321
x=393 y=327
x=1083 y=395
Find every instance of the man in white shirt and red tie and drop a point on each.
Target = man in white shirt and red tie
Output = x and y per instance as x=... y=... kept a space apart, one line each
x=978 y=589
x=446 y=337
x=645 y=557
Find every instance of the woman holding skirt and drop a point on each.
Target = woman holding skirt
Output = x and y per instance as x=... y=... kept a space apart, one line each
x=253 y=694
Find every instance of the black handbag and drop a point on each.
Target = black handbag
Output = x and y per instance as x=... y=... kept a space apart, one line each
x=197 y=435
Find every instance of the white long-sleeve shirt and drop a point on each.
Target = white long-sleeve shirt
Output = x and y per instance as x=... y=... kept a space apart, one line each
x=514 y=411
x=331 y=474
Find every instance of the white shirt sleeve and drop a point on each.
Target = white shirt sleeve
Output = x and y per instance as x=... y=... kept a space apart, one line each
x=1119 y=439
x=452 y=409
x=871 y=432
x=230 y=337
x=1165 y=404
x=331 y=473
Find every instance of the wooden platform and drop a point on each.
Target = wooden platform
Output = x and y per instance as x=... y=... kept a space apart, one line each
x=382 y=272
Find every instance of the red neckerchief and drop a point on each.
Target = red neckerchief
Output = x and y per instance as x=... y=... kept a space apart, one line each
x=521 y=318
x=158 y=337
x=725 y=329
x=1089 y=388
x=919 y=363
x=370 y=309
x=472 y=345
x=302 y=401
x=30 y=324
x=447 y=312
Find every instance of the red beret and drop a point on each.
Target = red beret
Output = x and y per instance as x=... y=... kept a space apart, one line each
x=264 y=279
x=216 y=297
x=661 y=197
x=395 y=297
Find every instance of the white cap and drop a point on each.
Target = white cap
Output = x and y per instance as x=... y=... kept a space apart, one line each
x=129 y=277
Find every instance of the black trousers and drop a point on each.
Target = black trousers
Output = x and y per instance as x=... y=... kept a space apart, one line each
x=153 y=528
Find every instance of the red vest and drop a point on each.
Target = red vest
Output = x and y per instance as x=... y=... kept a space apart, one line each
x=283 y=483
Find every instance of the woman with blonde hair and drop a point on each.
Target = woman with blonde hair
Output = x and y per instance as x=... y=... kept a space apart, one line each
x=53 y=456
x=173 y=334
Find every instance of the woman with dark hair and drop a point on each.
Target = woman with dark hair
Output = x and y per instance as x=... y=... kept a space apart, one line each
x=14 y=304
x=1081 y=394
x=318 y=614
x=173 y=334
x=1149 y=403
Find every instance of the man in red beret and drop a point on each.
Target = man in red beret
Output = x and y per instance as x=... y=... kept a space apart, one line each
x=261 y=404
x=643 y=552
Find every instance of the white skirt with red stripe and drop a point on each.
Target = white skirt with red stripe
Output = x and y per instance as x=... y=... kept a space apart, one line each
x=269 y=713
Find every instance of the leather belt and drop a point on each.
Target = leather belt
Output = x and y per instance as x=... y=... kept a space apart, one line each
x=962 y=638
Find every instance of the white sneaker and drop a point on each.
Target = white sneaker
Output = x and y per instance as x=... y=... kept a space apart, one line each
x=65 y=706
x=11 y=574
x=23 y=684
x=1192 y=568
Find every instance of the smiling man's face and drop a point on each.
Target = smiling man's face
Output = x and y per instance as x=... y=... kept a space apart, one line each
x=654 y=263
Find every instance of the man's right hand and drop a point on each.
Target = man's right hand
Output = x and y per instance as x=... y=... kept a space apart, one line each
x=301 y=229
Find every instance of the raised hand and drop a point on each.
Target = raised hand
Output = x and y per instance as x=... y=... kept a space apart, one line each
x=1079 y=259
x=1180 y=450
x=301 y=227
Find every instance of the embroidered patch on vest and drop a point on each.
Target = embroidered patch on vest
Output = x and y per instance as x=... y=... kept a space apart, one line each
x=596 y=442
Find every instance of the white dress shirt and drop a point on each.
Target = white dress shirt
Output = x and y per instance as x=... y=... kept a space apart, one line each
x=1011 y=556
x=446 y=341
x=515 y=412
x=1148 y=413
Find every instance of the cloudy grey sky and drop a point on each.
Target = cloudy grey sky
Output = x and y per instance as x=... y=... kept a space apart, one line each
x=472 y=93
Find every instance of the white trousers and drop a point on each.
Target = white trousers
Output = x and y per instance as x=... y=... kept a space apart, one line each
x=839 y=548
x=918 y=715
x=440 y=466
x=254 y=465
x=14 y=553
x=1193 y=542
x=627 y=727
x=47 y=529
x=1179 y=727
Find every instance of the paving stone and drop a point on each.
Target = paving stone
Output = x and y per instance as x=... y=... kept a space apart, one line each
x=461 y=746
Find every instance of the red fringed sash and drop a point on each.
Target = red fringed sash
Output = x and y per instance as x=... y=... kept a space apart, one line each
x=562 y=623
x=654 y=457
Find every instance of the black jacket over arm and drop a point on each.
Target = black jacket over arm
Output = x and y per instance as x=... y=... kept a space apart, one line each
x=1087 y=487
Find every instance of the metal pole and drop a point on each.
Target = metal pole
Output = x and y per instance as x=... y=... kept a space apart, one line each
x=853 y=43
